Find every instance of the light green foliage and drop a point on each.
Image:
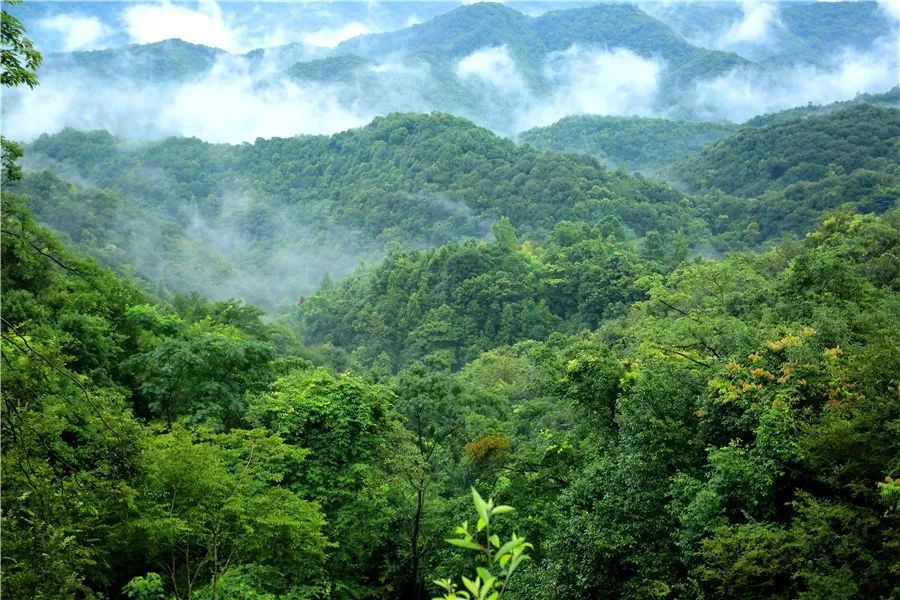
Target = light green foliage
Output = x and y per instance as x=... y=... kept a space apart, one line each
x=19 y=59
x=460 y=300
x=359 y=459
x=500 y=559
x=205 y=376
x=212 y=502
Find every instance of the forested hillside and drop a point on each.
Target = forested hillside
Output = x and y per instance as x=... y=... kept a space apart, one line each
x=799 y=31
x=756 y=160
x=640 y=144
x=415 y=359
x=662 y=452
x=414 y=179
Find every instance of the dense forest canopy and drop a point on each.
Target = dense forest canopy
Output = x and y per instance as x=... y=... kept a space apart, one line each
x=616 y=356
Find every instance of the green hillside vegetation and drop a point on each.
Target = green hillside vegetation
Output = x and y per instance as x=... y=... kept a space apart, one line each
x=638 y=143
x=328 y=69
x=816 y=26
x=756 y=160
x=641 y=393
x=359 y=177
x=414 y=179
x=890 y=98
x=265 y=221
x=449 y=304
x=626 y=26
x=688 y=443
x=168 y=60
x=801 y=32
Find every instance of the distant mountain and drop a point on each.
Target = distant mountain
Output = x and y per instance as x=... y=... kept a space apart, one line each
x=626 y=26
x=790 y=32
x=890 y=99
x=650 y=145
x=488 y=63
x=170 y=60
x=640 y=144
x=456 y=34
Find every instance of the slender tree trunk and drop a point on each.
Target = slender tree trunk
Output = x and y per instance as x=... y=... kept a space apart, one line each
x=420 y=507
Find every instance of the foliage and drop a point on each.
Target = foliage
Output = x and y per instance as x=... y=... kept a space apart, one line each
x=501 y=558
x=19 y=59
x=638 y=143
x=756 y=160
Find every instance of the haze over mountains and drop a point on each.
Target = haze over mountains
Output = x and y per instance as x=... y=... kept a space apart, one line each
x=325 y=68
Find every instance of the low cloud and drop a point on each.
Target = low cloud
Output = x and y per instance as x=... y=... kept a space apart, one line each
x=78 y=32
x=744 y=93
x=582 y=80
x=492 y=65
x=234 y=101
x=330 y=37
x=147 y=23
x=891 y=7
x=755 y=27
x=595 y=81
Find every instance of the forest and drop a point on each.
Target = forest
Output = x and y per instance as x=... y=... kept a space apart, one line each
x=616 y=357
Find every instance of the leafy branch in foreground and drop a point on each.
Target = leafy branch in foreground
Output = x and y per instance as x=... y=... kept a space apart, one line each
x=500 y=560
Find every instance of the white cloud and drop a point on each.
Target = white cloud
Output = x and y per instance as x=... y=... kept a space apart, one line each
x=493 y=65
x=744 y=93
x=594 y=81
x=78 y=32
x=330 y=37
x=230 y=103
x=754 y=27
x=147 y=23
x=891 y=7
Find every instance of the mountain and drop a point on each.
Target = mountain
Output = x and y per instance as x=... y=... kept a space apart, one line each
x=456 y=34
x=638 y=143
x=890 y=99
x=170 y=60
x=758 y=159
x=288 y=210
x=626 y=26
x=785 y=32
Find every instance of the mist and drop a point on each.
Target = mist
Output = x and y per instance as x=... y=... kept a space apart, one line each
x=244 y=96
x=744 y=93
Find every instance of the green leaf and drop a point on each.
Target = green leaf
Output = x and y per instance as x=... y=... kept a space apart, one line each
x=472 y=586
x=480 y=506
x=463 y=543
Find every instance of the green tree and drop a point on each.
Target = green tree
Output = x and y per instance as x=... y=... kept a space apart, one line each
x=19 y=59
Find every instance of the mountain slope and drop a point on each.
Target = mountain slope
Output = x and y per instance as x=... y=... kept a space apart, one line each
x=456 y=34
x=755 y=160
x=626 y=26
x=641 y=144
x=288 y=210
x=170 y=60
